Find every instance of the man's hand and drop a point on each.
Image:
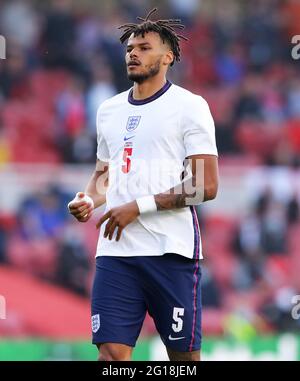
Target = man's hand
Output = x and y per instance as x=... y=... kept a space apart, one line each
x=81 y=208
x=119 y=217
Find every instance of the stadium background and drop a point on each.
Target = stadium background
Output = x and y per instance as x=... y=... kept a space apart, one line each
x=63 y=60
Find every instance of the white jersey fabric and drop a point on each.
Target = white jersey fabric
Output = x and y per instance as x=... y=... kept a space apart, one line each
x=145 y=143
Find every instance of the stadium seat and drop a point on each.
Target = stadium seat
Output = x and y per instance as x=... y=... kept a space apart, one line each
x=40 y=309
x=258 y=138
x=36 y=257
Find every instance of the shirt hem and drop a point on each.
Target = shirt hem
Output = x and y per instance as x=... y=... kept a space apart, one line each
x=149 y=254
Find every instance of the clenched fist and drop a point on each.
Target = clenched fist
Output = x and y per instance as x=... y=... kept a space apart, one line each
x=81 y=207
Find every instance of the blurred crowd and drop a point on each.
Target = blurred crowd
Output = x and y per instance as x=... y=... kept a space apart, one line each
x=64 y=59
x=42 y=239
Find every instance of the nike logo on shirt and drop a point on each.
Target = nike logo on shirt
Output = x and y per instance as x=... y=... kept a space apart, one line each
x=176 y=338
x=125 y=138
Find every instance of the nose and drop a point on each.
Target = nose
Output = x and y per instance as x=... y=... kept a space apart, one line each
x=132 y=53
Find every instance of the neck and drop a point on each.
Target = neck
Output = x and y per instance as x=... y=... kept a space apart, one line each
x=148 y=88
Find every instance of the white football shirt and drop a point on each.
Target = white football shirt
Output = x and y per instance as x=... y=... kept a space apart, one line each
x=145 y=143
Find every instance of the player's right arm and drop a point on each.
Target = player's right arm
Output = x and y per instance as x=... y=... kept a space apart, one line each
x=96 y=188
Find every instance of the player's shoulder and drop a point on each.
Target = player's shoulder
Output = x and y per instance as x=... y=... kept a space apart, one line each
x=187 y=98
x=114 y=101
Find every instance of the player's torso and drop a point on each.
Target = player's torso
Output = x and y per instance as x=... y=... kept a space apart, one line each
x=153 y=128
x=146 y=151
x=146 y=143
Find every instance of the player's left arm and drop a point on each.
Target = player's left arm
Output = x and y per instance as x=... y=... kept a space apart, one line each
x=200 y=187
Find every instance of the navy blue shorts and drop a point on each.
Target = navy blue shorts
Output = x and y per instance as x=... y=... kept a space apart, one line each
x=166 y=286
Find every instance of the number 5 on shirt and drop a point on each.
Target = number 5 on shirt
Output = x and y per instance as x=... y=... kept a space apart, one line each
x=127 y=160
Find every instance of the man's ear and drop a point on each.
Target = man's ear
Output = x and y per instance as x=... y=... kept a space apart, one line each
x=169 y=58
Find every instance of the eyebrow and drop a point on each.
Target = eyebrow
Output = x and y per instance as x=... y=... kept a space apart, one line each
x=140 y=44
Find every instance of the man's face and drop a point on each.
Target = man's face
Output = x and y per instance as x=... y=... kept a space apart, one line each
x=146 y=56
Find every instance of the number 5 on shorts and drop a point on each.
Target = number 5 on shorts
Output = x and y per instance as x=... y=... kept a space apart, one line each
x=177 y=312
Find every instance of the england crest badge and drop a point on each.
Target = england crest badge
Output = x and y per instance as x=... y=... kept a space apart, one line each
x=133 y=122
x=95 y=323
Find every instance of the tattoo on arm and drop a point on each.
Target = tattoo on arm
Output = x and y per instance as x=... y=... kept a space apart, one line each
x=177 y=197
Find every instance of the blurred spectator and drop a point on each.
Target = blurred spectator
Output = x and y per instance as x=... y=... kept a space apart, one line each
x=273 y=103
x=43 y=214
x=4 y=149
x=73 y=265
x=293 y=210
x=101 y=89
x=219 y=54
x=84 y=148
x=58 y=39
x=211 y=294
x=293 y=101
x=13 y=73
x=71 y=110
x=261 y=28
x=274 y=229
x=278 y=310
x=187 y=9
x=134 y=8
x=226 y=23
x=2 y=245
x=230 y=65
x=88 y=31
x=20 y=23
x=248 y=245
x=112 y=50
x=249 y=102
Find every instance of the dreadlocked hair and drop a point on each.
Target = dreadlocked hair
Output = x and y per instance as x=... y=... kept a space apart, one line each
x=165 y=29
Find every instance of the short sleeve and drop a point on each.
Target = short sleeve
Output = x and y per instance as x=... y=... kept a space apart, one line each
x=199 y=128
x=102 y=148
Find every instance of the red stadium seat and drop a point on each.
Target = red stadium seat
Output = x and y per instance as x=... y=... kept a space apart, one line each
x=38 y=309
x=223 y=267
x=33 y=119
x=218 y=233
x=46 y=85
x=35 y=257
x=258 y=138
x=8 y=221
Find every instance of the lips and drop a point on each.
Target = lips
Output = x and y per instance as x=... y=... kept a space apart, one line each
x=133 y=63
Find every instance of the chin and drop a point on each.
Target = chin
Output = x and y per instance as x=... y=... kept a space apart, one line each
x=139 y=78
